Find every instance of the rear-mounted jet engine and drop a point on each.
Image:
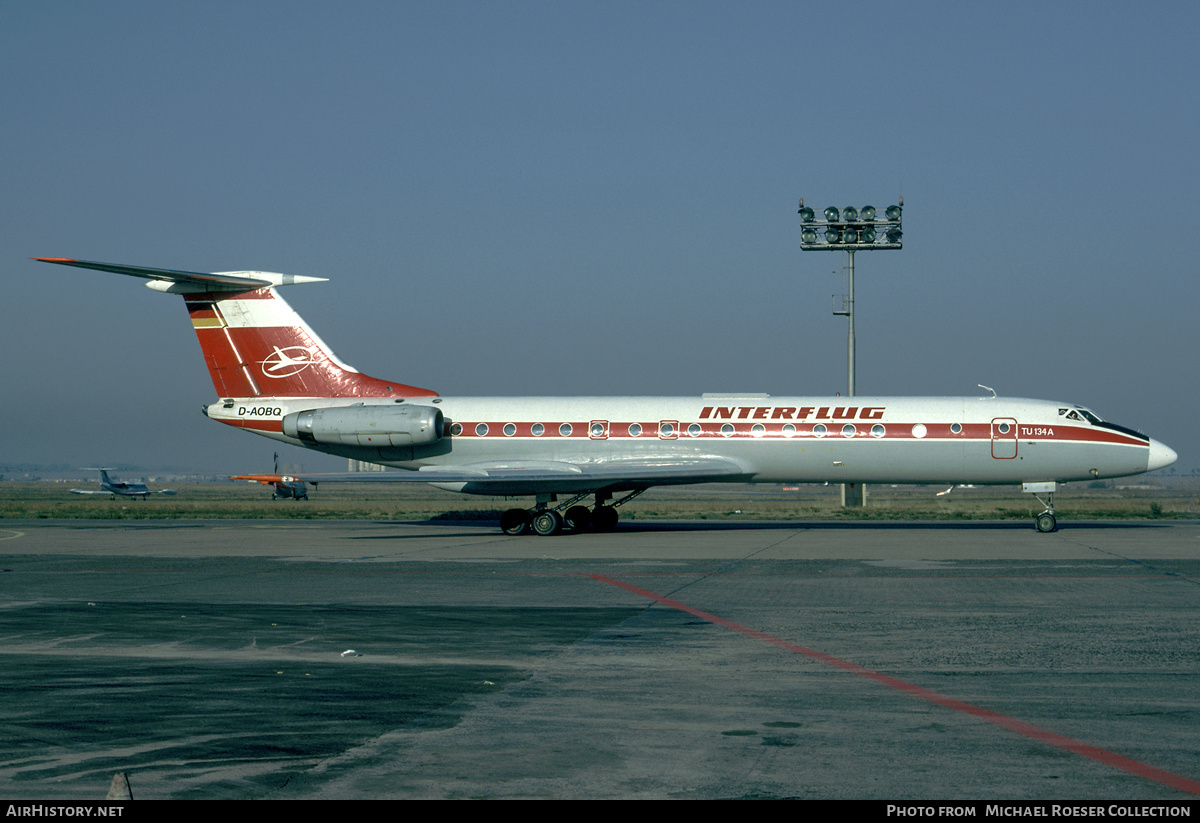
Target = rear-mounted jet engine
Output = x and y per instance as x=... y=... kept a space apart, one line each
x=378 y=426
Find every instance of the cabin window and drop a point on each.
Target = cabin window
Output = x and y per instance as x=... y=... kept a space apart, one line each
x=878 y=430
x=848 y=430
x=597 y=430
x=919 y=430
x=565 y=429
x=456 y=429
x=819 y=430
x=481 y=429
x=758 y=430
x=665 y=430
x=789 y=430
x=1003 y=428
x=954 y=427
x=509 y=429
x=694 y=430
x=538 y=429
x=727 y=430
x=635 y=429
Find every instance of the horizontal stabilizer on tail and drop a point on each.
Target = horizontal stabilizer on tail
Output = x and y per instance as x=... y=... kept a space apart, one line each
x=185 y=281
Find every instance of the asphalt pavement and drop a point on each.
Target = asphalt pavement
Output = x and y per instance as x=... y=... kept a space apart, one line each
x=356 y=659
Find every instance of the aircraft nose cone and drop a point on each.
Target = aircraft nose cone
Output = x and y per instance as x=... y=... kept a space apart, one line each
x=1161 y=456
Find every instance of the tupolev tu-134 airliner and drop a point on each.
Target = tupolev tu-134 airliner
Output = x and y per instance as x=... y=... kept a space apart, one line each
x=275 y=377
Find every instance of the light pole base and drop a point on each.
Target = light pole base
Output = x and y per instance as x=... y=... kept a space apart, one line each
x=854 y=495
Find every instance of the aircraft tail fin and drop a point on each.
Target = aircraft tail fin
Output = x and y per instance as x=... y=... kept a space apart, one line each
x=104 y=470
x=254 y=343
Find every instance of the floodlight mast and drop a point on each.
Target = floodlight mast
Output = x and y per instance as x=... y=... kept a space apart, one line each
x=851 y=230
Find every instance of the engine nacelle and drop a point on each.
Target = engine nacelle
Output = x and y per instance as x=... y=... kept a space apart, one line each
x=376 y=426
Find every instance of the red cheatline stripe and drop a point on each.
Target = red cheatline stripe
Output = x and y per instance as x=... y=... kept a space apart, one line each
x=1012 y=724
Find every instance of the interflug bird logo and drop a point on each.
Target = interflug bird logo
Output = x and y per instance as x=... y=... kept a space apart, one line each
x=288 y=361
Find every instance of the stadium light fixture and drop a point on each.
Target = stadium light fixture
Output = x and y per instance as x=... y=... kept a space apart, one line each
x=851 y=228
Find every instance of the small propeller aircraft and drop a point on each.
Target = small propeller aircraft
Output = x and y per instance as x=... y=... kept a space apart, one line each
x=114 y=488
x=283 y=485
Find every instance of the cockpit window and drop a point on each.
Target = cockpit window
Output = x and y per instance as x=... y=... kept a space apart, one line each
x=1095 y=420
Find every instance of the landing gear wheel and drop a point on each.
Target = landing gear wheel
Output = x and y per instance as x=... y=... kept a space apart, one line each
x=514 y=522
x=547 y=522
x=604 y=518
x=577 y=518
x=1045 y=522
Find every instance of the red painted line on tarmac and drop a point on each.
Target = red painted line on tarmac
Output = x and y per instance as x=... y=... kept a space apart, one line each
x=1012 y=724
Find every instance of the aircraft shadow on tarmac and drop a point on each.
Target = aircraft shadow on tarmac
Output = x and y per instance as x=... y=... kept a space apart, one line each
x=643 y=527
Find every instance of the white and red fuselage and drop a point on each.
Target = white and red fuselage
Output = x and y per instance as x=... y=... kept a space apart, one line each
x=774 y=439
x=275 y=377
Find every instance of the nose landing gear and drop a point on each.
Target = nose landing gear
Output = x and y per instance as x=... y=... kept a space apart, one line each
x=1045 y=522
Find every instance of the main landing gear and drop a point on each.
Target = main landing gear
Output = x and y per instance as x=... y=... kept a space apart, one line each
x=546 y=518
x=1045 y=522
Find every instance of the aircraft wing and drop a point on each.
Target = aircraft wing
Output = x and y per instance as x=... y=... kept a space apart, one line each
x=122 y=492
x=538 y=477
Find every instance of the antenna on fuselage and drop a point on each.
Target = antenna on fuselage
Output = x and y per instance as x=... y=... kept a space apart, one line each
x=989 y=388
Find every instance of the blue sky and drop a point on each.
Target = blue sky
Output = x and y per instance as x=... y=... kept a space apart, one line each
x=557 y=198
